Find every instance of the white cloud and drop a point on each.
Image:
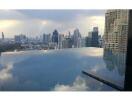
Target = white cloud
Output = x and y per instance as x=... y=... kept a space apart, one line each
x=86 y=24
x=93 y=52
x=5 y=73
x=8 y=23
x=34 y=23
x=11 y=15
x=78 y=85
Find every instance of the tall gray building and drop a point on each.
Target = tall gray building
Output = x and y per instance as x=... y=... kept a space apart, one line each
x=60 y=41
x=95 y=37
x=20 y=38
x=46 y=38
x=55 y=36
x=76 y=38
x=3 y=37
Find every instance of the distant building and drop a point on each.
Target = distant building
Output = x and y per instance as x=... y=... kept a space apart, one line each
x=60 y=41
x=83 y=42
x=3 y=36
x=100 y=41
x=55 y=37
x=88 y=41
x=20 y=39
x=46 y=38
x=53 y=45
x=67 y=43
x=90 y=34
x=76 y=38
x=94 y=38
x=69 y=35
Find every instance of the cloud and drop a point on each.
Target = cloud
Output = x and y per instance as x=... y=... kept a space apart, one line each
x=8 y=23
x=86 y=24
x=36 y=22
x=28 y=27
x=5 y=73
x=93 y=52
x=60 y=15
x=78 y=85
x=11 y=15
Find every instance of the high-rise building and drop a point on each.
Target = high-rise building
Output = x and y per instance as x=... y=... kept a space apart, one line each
x=115 y=40
x=116 y=29
x=61 y=39
x=55 y=37
x=3 y=36
x=69 y=35
x=88 y=41
x=83 y=42
x=76 y=38
x=20 y=38
x=100 y=41
x=46 y=38
x=95 y=37
x=67 y=42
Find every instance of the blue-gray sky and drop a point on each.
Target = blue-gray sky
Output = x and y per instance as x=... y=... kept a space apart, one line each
x=37 y=22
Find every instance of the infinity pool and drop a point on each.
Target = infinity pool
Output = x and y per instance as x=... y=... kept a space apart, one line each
x=56 y=70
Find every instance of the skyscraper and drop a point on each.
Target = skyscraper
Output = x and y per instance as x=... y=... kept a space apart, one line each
x=3 y=36
x=83 y=42
x=55 y=36
x=115 y=43
x=60 y=41
x=67 y=42
x=116 y=29
x=46 y=38
x=100 y=41
x=20 y=38
x=77 y=38
x=94 y=37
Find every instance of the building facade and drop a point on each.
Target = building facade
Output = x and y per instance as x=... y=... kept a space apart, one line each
x=3 y=37
x=115 y=39
x=46 y=38
x=60 y=41
x=116 y=29
x=55 y=37
x=67 y=43
x=76 y=38
x=20 y=39
x=95 y=37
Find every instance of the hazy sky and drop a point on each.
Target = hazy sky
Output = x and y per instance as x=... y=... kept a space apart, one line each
x=37 y=22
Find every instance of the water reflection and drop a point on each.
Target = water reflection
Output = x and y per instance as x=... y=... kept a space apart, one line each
x=51 y=70
x=78 y=85
x=115 y=61
x=83 y=83
x=5 y=73
x=6 y=76
x=110 y=67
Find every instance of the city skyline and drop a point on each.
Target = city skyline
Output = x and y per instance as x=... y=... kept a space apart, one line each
x=36 y=22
